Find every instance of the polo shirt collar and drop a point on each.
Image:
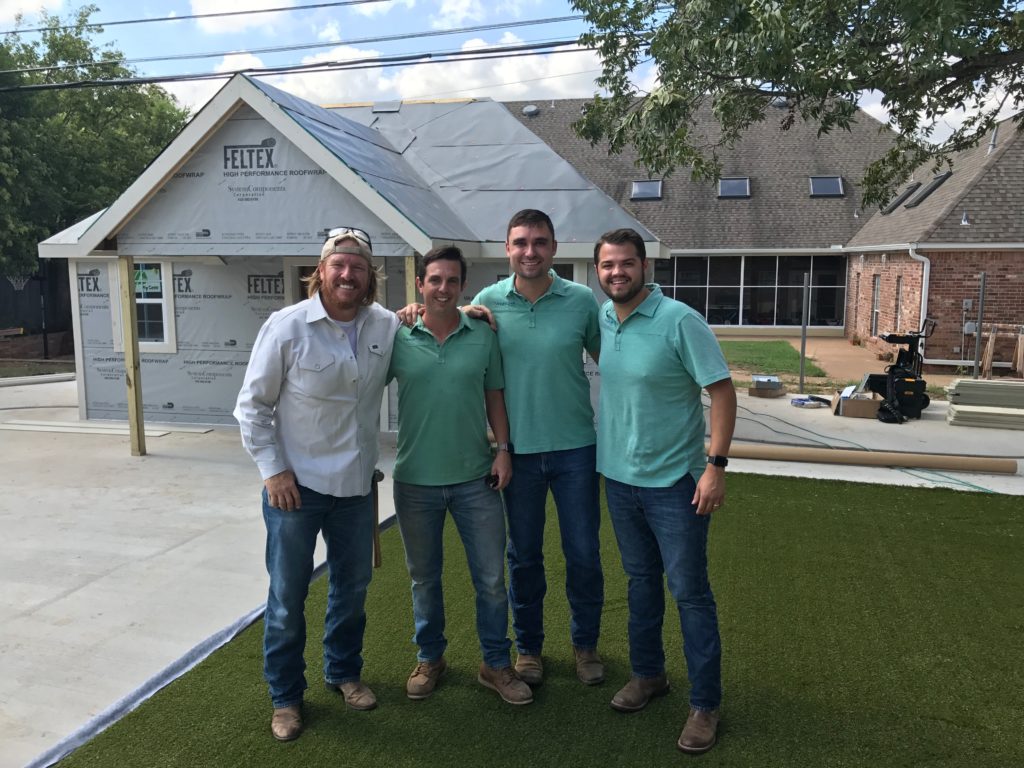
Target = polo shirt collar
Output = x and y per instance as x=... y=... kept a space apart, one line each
x=463 y=325
x=559 y=285
x=648 y=307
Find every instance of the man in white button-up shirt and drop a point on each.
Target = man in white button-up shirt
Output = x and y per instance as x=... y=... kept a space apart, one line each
x=308 y=412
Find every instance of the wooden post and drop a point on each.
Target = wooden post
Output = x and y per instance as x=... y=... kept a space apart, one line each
x=410 y=279
x=130 y=343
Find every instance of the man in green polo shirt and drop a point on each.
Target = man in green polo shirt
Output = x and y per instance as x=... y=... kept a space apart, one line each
x=656 y=356
x=450 y=383
x=545 y=324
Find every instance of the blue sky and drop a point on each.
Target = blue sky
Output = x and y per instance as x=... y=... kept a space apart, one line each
x=345 y=32
x=341 y=33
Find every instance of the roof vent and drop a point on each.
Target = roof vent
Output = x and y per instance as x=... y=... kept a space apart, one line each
x=531 y=110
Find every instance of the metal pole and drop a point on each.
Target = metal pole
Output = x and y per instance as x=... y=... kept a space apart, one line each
x=804 y=318
x=977 y=329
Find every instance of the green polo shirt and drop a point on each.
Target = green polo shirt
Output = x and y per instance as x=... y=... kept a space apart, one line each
x=442 y=416
x=650 y=431
x=547 y=393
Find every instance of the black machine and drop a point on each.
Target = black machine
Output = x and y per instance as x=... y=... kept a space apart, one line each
x=901 y=387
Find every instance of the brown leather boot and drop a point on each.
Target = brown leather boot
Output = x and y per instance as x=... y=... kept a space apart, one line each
x=635 y=694
x=589 y=667
x=700 y=732
x=530 y=669
x=286 y=724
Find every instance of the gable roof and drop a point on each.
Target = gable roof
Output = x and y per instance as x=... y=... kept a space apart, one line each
x=779 y=215
x=985 y=183
x=432 y=173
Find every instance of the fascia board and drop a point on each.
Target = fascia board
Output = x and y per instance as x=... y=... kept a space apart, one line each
x=336 y=168
x=178 y=152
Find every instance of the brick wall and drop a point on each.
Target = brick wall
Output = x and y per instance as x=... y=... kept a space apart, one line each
x=955 y=276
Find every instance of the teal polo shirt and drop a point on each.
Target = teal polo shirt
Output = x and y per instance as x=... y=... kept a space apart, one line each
x=547 y=393
x=650 y=430
x=442 y=416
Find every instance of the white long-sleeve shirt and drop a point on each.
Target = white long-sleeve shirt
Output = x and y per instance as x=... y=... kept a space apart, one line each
x=309 y=404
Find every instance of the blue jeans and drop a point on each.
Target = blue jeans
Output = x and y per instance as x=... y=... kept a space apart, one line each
x=572 y=478
x=659 y=532
x=347 y=526
x=480 y=520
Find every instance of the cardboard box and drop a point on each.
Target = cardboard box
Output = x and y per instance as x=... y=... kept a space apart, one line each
x=855 y=407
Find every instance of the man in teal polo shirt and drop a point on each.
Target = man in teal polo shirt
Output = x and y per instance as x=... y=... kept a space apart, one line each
x=545 y=324
x=656 y=356
x=450 y=383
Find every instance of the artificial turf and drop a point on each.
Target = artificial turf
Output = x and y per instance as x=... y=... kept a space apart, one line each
x=862 y=626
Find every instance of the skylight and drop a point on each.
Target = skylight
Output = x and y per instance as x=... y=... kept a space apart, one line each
x=647 y=189
x=734 y=186
x=901 y=198
x=826 y=186
x=934 y=184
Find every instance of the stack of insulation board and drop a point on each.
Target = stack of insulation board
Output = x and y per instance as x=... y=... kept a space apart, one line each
x=985 y=403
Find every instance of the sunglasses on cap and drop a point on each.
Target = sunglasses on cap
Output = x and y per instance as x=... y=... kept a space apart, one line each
x=358 y=234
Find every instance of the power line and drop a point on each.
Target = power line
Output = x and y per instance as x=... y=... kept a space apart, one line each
x=503 y=52
x=302 y=46
x=98 y=24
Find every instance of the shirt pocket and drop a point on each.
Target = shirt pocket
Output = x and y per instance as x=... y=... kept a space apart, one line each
x=316 y=375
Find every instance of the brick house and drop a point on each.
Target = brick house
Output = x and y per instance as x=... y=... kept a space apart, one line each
x=788 y=204
x=923 y=254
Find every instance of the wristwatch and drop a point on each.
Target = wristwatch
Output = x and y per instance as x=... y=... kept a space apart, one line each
x=718 y=461
x=505 y=447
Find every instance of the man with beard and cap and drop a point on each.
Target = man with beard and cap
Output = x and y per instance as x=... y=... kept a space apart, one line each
x=309 y=416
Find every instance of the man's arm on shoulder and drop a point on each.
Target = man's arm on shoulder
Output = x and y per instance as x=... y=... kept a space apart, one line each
x=722 y=422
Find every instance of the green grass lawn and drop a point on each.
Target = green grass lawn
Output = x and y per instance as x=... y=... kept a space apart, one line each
x=862 y=626
x=776 y=357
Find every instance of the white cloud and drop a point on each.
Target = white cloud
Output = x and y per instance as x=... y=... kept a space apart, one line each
x=457 y=13
x=329 y=32
x=29 y=8
x=232 y=24
x=379 y=9
x=562 y=75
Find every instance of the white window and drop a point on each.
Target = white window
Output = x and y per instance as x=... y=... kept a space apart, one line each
x=154 y=307
x=876 y=291
x=648 y=189
x=899 y=300
x=826 y=186
x=734 y=186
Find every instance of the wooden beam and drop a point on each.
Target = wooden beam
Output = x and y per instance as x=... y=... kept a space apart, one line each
x=410 y=279
x=130 y=343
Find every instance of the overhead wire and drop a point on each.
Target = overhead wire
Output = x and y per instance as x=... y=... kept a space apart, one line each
x=188 y=17
x=300 y=46
x=481 y=54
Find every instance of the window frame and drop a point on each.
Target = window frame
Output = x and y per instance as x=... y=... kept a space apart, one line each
x=169 y=345
x=637 y=186
x=838 y=180
x=745 y=196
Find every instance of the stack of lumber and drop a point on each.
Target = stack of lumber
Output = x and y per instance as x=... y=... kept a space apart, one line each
x=986 y=403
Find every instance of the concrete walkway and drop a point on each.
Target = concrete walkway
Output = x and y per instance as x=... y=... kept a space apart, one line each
x=114 y=568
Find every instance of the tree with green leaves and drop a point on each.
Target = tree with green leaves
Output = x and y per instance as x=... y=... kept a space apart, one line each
x=736 y=57
x=68 y=152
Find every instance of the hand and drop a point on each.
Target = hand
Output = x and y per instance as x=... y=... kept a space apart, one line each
x=283 y=492
x=710 y=490
x=502 y=467
x=408 y=314
x=480 y=312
